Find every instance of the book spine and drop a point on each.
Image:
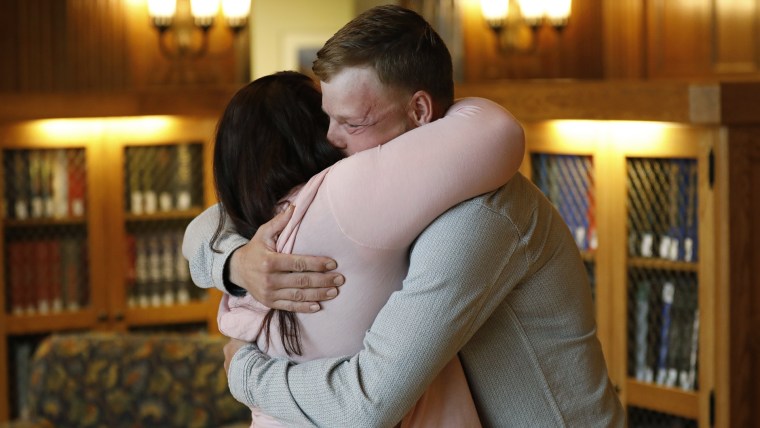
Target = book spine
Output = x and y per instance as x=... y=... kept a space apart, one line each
x=163 y=178
x=169 y=276
x=183 y=180
x=131 y=270
x=71 y=266
x=41 y=274
x=142 y=273
x=150 y=198
x=643 y=369
x=182 y=273
x=54 y=275
x=77 y=182
x=668 y=292
x=134 y=180
x=21 y=181
x=61 y=184
x=35 y=183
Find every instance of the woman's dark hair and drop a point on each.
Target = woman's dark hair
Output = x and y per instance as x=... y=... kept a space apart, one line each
x=271 y=138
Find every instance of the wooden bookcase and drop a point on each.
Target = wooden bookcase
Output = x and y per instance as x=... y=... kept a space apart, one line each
x=103 y=145
x=714 y=125
x=626 y=131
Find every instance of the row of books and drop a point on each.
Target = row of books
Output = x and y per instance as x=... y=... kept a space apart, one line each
x=663 y=208
x=665 y=340
x=46 y=276
x=157 y=273
x=45 y=183
x=162 y=178
x=568 y=182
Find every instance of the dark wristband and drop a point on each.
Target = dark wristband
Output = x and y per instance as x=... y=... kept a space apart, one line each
x=232 y=288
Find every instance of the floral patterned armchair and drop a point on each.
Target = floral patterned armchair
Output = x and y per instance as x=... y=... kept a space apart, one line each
x=132 y=380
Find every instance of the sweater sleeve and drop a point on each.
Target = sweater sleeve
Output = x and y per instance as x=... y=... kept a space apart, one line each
x=207 y=266
x=384 y=197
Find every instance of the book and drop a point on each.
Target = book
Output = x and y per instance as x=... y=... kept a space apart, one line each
x=689 y=375
x=154 y=271
x=168 y=272
x=692 y=206
x=16 y=277
x=150 y=197
x=61 y=184
x=40 y=275
x=22 y=353
x=134 y=180
x=130 y=269
x=77 y=179
x=164 y=178
x=668 y=292
x=47 y=183
x=21 y=185
x=142 y=275
x=643 y=370
x=183 y=179
x=182 y=273
x=54 y=275
x=35 y=183
x=72 y=278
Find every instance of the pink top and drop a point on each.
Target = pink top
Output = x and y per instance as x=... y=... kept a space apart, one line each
x=364 y=212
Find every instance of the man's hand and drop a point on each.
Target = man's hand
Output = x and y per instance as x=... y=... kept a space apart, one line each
x=283 y=281
x=229 y=351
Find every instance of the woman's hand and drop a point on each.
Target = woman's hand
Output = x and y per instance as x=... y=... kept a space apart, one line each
x=287 y=282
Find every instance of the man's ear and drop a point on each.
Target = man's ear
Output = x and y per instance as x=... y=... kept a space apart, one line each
x=421 y=108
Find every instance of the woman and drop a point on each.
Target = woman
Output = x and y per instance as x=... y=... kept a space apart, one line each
x=363 y=211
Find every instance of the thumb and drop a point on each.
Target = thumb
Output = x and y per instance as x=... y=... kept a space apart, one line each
x=270 y=231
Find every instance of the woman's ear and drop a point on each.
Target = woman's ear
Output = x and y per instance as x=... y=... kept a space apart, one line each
x=421 y=108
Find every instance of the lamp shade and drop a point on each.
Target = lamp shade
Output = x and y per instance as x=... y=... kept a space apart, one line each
x=533 y=11
x=236 y=9
x=495 y=12
x=558 y=11
x=204 y=11
x=162 y=12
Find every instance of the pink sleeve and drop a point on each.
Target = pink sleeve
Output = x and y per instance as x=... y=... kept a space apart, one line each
x=384 y=197
x=240 y=317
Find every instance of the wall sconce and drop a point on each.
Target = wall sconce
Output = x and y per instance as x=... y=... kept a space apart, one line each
x=186 y=17
x=510 y=20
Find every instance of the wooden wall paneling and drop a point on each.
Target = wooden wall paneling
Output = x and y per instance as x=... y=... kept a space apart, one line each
x=679 y=38
x=576 y=52
x=743 y=297
x=737 y=37
x=623 y=39
x=9 y=45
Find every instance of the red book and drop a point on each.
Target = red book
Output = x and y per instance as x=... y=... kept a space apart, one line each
x=54 y=274
x=41 y=277
x=16 y=277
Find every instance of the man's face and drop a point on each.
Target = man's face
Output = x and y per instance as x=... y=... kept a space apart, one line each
x=363 y=112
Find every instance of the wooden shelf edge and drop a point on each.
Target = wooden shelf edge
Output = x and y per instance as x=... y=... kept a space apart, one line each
x=30 y=324
x=662 y=264
x=168 y=315
x=662 y=399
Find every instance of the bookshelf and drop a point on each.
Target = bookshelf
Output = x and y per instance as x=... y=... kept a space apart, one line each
x=665 y=183
x=607 y=127
x=93 y=216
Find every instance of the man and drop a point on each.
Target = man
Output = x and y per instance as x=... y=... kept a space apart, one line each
x=497 y=279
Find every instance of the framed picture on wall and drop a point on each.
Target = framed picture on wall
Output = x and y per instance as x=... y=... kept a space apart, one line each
x=300 y=50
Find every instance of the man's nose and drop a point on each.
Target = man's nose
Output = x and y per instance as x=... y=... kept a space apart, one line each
x=333 y=136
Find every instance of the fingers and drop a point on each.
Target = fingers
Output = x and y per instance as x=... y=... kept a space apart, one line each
x=302 y=300
x=281 y=262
